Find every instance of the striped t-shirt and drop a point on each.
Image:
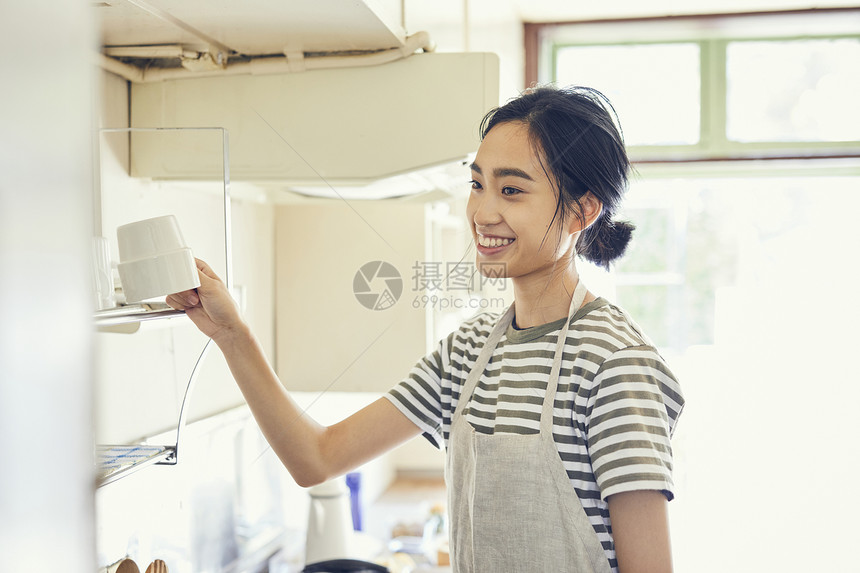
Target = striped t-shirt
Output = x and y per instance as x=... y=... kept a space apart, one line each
x=615 y=407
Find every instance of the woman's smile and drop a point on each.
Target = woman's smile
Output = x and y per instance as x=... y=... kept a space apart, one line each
x=490 y=244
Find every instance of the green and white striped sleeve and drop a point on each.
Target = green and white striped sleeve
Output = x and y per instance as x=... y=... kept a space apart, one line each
x=418 y=396
x=633 y=405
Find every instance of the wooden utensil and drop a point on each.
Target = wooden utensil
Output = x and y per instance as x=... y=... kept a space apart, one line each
x=127 y=566
x=157 y=566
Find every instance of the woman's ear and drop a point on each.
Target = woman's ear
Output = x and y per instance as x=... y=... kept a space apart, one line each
x=591 y=208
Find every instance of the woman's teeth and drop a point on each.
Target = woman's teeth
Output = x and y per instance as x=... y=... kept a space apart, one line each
x=491 y=242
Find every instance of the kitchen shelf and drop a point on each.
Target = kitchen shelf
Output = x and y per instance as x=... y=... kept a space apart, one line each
x=129 y=314
x=117 y=461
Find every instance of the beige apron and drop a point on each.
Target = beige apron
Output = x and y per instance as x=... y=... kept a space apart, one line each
x=511 y=505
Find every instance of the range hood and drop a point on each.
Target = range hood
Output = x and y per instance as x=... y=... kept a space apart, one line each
x=328 y=127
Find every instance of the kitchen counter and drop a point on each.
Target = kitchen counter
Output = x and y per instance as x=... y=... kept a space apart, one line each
x=408 y=499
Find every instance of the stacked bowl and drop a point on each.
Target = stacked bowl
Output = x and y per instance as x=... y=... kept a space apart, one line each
x=154 y=259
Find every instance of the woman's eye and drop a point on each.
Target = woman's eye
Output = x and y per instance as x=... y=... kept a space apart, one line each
x=510 y=191
x=475 y=185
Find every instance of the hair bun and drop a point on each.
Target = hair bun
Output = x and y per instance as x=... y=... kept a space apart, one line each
x=605 y=241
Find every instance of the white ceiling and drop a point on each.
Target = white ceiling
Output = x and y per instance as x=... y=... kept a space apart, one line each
x=261 y=27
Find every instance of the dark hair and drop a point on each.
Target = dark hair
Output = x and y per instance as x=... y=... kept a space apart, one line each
x=573 y=132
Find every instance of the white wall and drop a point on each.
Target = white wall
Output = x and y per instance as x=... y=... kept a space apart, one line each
x=46 y=116
x=502 y=37
x=328 y=341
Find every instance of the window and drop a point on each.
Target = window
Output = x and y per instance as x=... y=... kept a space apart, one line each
x=720 y=87
x=624 y=74
x=813 y=87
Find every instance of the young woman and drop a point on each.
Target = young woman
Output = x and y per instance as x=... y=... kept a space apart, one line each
x=556 y=416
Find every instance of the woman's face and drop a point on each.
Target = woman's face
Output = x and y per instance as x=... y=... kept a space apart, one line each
x=511 y=208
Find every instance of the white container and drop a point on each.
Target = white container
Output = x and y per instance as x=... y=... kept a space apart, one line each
x=329 y=522
x=154 y=260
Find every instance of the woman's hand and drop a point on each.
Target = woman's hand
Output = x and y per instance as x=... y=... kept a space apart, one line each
x=210 y=306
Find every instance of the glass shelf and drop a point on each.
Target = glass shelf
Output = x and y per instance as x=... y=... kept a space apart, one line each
x=132 y=313
x=114 y=462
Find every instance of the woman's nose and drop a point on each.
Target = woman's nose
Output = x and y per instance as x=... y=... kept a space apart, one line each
x=486 y=209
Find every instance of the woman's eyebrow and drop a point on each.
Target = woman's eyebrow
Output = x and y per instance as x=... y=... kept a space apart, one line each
x=504 y=172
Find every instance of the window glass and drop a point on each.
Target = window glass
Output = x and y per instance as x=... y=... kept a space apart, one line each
x=654 y=87
x=804 y=90
x=723 y=247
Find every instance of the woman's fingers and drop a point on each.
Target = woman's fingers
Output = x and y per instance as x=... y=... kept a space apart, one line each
x=191 y=297
x=210 y=305
x=175 y=302
x=172 y=302
x=206 y=270
x=183 y=300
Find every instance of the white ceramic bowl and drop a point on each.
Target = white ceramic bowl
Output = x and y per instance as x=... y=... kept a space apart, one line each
x=154 y=260
x=159 y=275
x=149 y=238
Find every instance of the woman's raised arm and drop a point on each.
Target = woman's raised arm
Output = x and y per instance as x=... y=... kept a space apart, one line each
x=311 y=452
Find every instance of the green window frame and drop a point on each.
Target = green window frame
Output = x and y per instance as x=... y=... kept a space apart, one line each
x=712 y=34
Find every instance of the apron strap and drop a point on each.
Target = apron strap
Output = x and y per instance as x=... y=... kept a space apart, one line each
x=482 y=360
x=552 y=383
